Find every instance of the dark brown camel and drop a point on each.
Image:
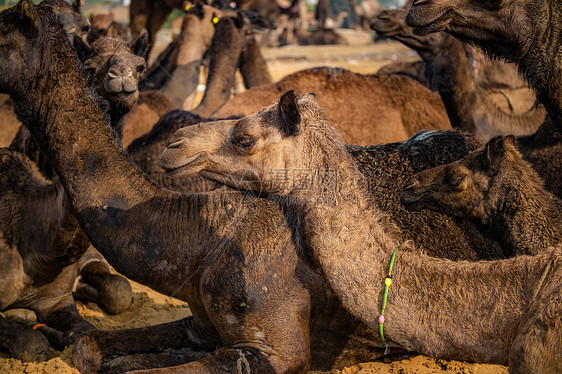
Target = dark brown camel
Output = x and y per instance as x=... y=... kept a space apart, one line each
x=449 y=71
x=366 y=109
x=212 y=249
x=150 y=15
x=435 y=306
x=519 y=32
x=499 y=191
x=47 y=238
x=231 y=36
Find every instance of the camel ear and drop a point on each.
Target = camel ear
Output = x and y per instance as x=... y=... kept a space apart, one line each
x=239 y=20
x=140 y=46
x=289 y=113
x=77 y=6
x=28 y=15
x=494 y=154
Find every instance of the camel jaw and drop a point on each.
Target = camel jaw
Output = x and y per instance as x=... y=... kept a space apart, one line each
x=423 y=22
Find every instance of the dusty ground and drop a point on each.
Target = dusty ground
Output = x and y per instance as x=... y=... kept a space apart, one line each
x=150 y=307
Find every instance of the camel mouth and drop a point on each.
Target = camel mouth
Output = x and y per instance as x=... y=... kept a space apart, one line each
x=410 y=199
x=422 y=21
x=188 y=166
x=384 y=28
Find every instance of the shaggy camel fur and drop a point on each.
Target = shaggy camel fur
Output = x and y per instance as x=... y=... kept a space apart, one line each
x=40 y=260
x=449 y=71
x=498 y=190
x=256 y=295
x=434 y=306
x=518 y=31
x=366 y=109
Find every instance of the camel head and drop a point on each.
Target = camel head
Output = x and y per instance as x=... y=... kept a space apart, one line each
x=198 y=24
x=469 y=188
x=504 y=28
x=263 y=152
x=69 y=16
x=390 y=23
x=115 y=68
x=23 y=29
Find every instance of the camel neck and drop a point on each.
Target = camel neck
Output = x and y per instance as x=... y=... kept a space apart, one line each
x=353 y=242
x=467 y=106
x=528 y=228
x=121 y=212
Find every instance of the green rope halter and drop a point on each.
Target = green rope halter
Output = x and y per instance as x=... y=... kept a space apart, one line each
x=387 y=283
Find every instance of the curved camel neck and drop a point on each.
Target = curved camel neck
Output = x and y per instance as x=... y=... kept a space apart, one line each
x=132 y=222
x=429 y=297
x=450 y=72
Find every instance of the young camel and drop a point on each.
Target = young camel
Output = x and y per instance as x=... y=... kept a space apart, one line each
x=255 y=293
x=517 y=31
x=497 y=189
x=366 y=109
x=449 y=71
x=288 y=151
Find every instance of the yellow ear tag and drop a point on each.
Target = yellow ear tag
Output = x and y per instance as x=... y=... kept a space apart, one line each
x=215 y=20
x=187 y=7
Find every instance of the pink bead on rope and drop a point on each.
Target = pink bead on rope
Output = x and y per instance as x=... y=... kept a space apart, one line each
x=381 y=319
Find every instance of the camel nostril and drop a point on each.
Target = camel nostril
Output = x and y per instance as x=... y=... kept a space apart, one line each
x=419 y=2
x=411 y=184
x=175 y=144
x=113 y=75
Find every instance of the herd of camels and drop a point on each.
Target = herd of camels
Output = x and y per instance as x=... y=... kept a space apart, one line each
x=306 y=229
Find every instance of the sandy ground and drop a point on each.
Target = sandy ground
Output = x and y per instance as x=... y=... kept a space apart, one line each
x=150 y=308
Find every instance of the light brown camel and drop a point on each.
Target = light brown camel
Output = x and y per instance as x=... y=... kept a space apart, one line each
x=435 y=306
x=255 y=294
x=499 y=191
x=104 y=24
x=366 y=109
x=519 y=32
x=448 y=67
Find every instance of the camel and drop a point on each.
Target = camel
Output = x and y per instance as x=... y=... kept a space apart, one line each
x=176 y=70
x=365 y=11
x=449 y=71
x=47 y=239
x=494 y=187
x=104 y=24
x=517 y=32
x=40 y=258
x=231 y=37
x=287 y=151
x=115 y=68
x=208 y=249
x=150 y=15
x=367 y=109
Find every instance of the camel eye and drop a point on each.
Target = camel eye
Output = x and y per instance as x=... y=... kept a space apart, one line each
x=245 y=142
x=455 y=181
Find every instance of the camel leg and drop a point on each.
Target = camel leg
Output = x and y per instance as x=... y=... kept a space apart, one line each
x=111 y=291
x=115 y=349
x=22 y=341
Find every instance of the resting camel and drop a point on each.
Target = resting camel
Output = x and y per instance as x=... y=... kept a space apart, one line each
x=46 y=238
x=366 y=109
x=499 y=191
x=519 y=32
x=287 y=151
x=258 y=298
x=449 y=71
